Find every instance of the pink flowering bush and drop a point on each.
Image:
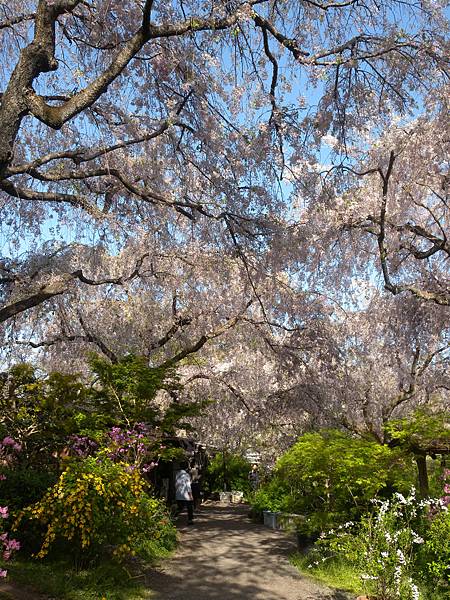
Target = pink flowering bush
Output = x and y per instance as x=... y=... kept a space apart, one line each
x=7 y=545
x=8 y=449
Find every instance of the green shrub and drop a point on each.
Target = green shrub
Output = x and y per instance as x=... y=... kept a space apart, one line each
x=95 y=505
x=330 y=477
x=434 y=556
x=272 y=496
x=230 y=469
x=23 y=486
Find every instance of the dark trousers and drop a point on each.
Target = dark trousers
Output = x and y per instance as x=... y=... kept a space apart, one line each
x=189 y=505
x=196 y=493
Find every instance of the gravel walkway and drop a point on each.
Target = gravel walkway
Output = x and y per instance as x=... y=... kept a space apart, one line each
x=224 y=556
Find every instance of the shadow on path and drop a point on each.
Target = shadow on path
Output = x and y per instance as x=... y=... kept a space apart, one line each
x=224 y=556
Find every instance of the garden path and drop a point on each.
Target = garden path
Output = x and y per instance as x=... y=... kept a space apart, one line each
x=224 y=556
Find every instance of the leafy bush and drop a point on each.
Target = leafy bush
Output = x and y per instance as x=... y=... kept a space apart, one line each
x=272 y=496
x=400 y=550
x=434 y=558
x=422 y=429
x=331 y=476
x=38 y=411
x=230 y=469
x=23 y=486
x=95 y=505
x=52 y=414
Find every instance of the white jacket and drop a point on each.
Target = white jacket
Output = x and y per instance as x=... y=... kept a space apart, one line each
x=183 y=490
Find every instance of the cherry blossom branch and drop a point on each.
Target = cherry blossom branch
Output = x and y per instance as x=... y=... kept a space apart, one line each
x=56 y=116
x=60 y=285
x=93 y=338
x=88 y=337
x=179 y=324
x=236 y=393
x=329 y=5
x=51 y=342
x=32 y=299
x=54 y=197
x=417 y=371
x=38 y=57
x=206 y=337
x=382 y=222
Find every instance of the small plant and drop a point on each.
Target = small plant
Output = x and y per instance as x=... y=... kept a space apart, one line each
x=395 y=549
x=96 y=505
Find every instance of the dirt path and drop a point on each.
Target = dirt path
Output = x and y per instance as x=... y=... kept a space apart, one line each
x=224 y=556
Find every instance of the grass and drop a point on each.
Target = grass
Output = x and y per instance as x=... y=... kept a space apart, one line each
x=59 y=579
x=333 y=573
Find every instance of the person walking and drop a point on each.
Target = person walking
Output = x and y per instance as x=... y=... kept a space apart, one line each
x=253 y=478
x=183 y=492
x=194 y=472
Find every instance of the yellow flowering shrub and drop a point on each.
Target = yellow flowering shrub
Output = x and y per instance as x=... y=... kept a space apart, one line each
x=96 y=505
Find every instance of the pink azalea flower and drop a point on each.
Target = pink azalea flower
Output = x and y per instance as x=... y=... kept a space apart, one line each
x=8 y=441
x=13 y=545
x=4 y=514
x=3 y=573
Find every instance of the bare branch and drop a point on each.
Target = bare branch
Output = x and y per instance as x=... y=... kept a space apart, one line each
x=59 y=286
x=206 y=337
x=56 y=116
x=92 y=337
x=15 y=20
x=162 y=341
